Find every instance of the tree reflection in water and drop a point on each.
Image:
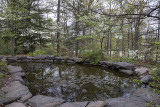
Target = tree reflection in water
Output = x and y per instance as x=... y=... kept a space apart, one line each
x=76 y=82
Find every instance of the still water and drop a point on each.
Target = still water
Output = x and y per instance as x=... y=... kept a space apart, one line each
x=76 y=82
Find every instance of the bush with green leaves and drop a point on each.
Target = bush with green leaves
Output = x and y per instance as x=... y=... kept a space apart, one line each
x=3 y=72
x=93 y=56
x=37 y=52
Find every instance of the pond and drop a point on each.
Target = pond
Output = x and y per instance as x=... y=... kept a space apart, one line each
x=74 y=82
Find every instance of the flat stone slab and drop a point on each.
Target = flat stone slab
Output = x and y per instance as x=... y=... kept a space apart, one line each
x=147 y=95
x=96 y=104
x=74 y=104
x=125 y=102
x=44 y=101
x=14 y=91
x=15 y=105
x=127 y=72
x=14 y=69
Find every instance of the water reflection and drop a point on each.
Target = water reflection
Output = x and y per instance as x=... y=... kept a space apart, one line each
x=76 y=82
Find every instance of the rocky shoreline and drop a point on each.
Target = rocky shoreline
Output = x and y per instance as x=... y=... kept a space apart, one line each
x=123 y=67
x=18 y=95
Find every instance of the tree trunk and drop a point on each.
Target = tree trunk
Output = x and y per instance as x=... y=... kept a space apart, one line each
x=58 y=32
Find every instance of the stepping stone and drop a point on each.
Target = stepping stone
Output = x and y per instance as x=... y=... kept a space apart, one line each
x=16 y=105
x=14 y=91
x=44 y=101
x=125 y=102
x=96 y=104
x=75 y=104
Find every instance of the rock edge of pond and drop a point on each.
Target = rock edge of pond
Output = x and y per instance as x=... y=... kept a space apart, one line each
x=18 y=95
x=122 y=67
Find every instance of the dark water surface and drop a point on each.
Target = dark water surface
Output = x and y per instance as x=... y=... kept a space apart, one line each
x=76 y=82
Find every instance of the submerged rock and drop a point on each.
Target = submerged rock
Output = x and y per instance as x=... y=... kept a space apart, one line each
x=44 y=101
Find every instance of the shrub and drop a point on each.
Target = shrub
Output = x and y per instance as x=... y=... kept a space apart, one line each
x=3 y=72
x=156 y=80
x=37 y=52
x=93 y=56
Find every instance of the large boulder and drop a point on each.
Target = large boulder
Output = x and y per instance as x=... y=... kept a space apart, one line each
x=44 y=101
x=74 y=104
x=147 y=95
x=125 y=102
x=123 y=65
x=16 y=105
x=106 y=63
x=14 y=69
x=14 y=91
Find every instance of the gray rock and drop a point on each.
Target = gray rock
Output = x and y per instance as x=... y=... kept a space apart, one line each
x=70 y=61
x=125 y=102
x=96 y=104
x=15 y=91
x=12 y=59
x=50 y=57
x=75 y=104
x=147 y=95
x=146 y=79
x=39 y=57
x=17 y=78
x=44 y=101
x=22 y=74
x=14 y=69
x=123 y=65
x=127 y=72
x=26 y=97
x=59 y=58
x=16 y=105
x=106 y=63
x=22 y=58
